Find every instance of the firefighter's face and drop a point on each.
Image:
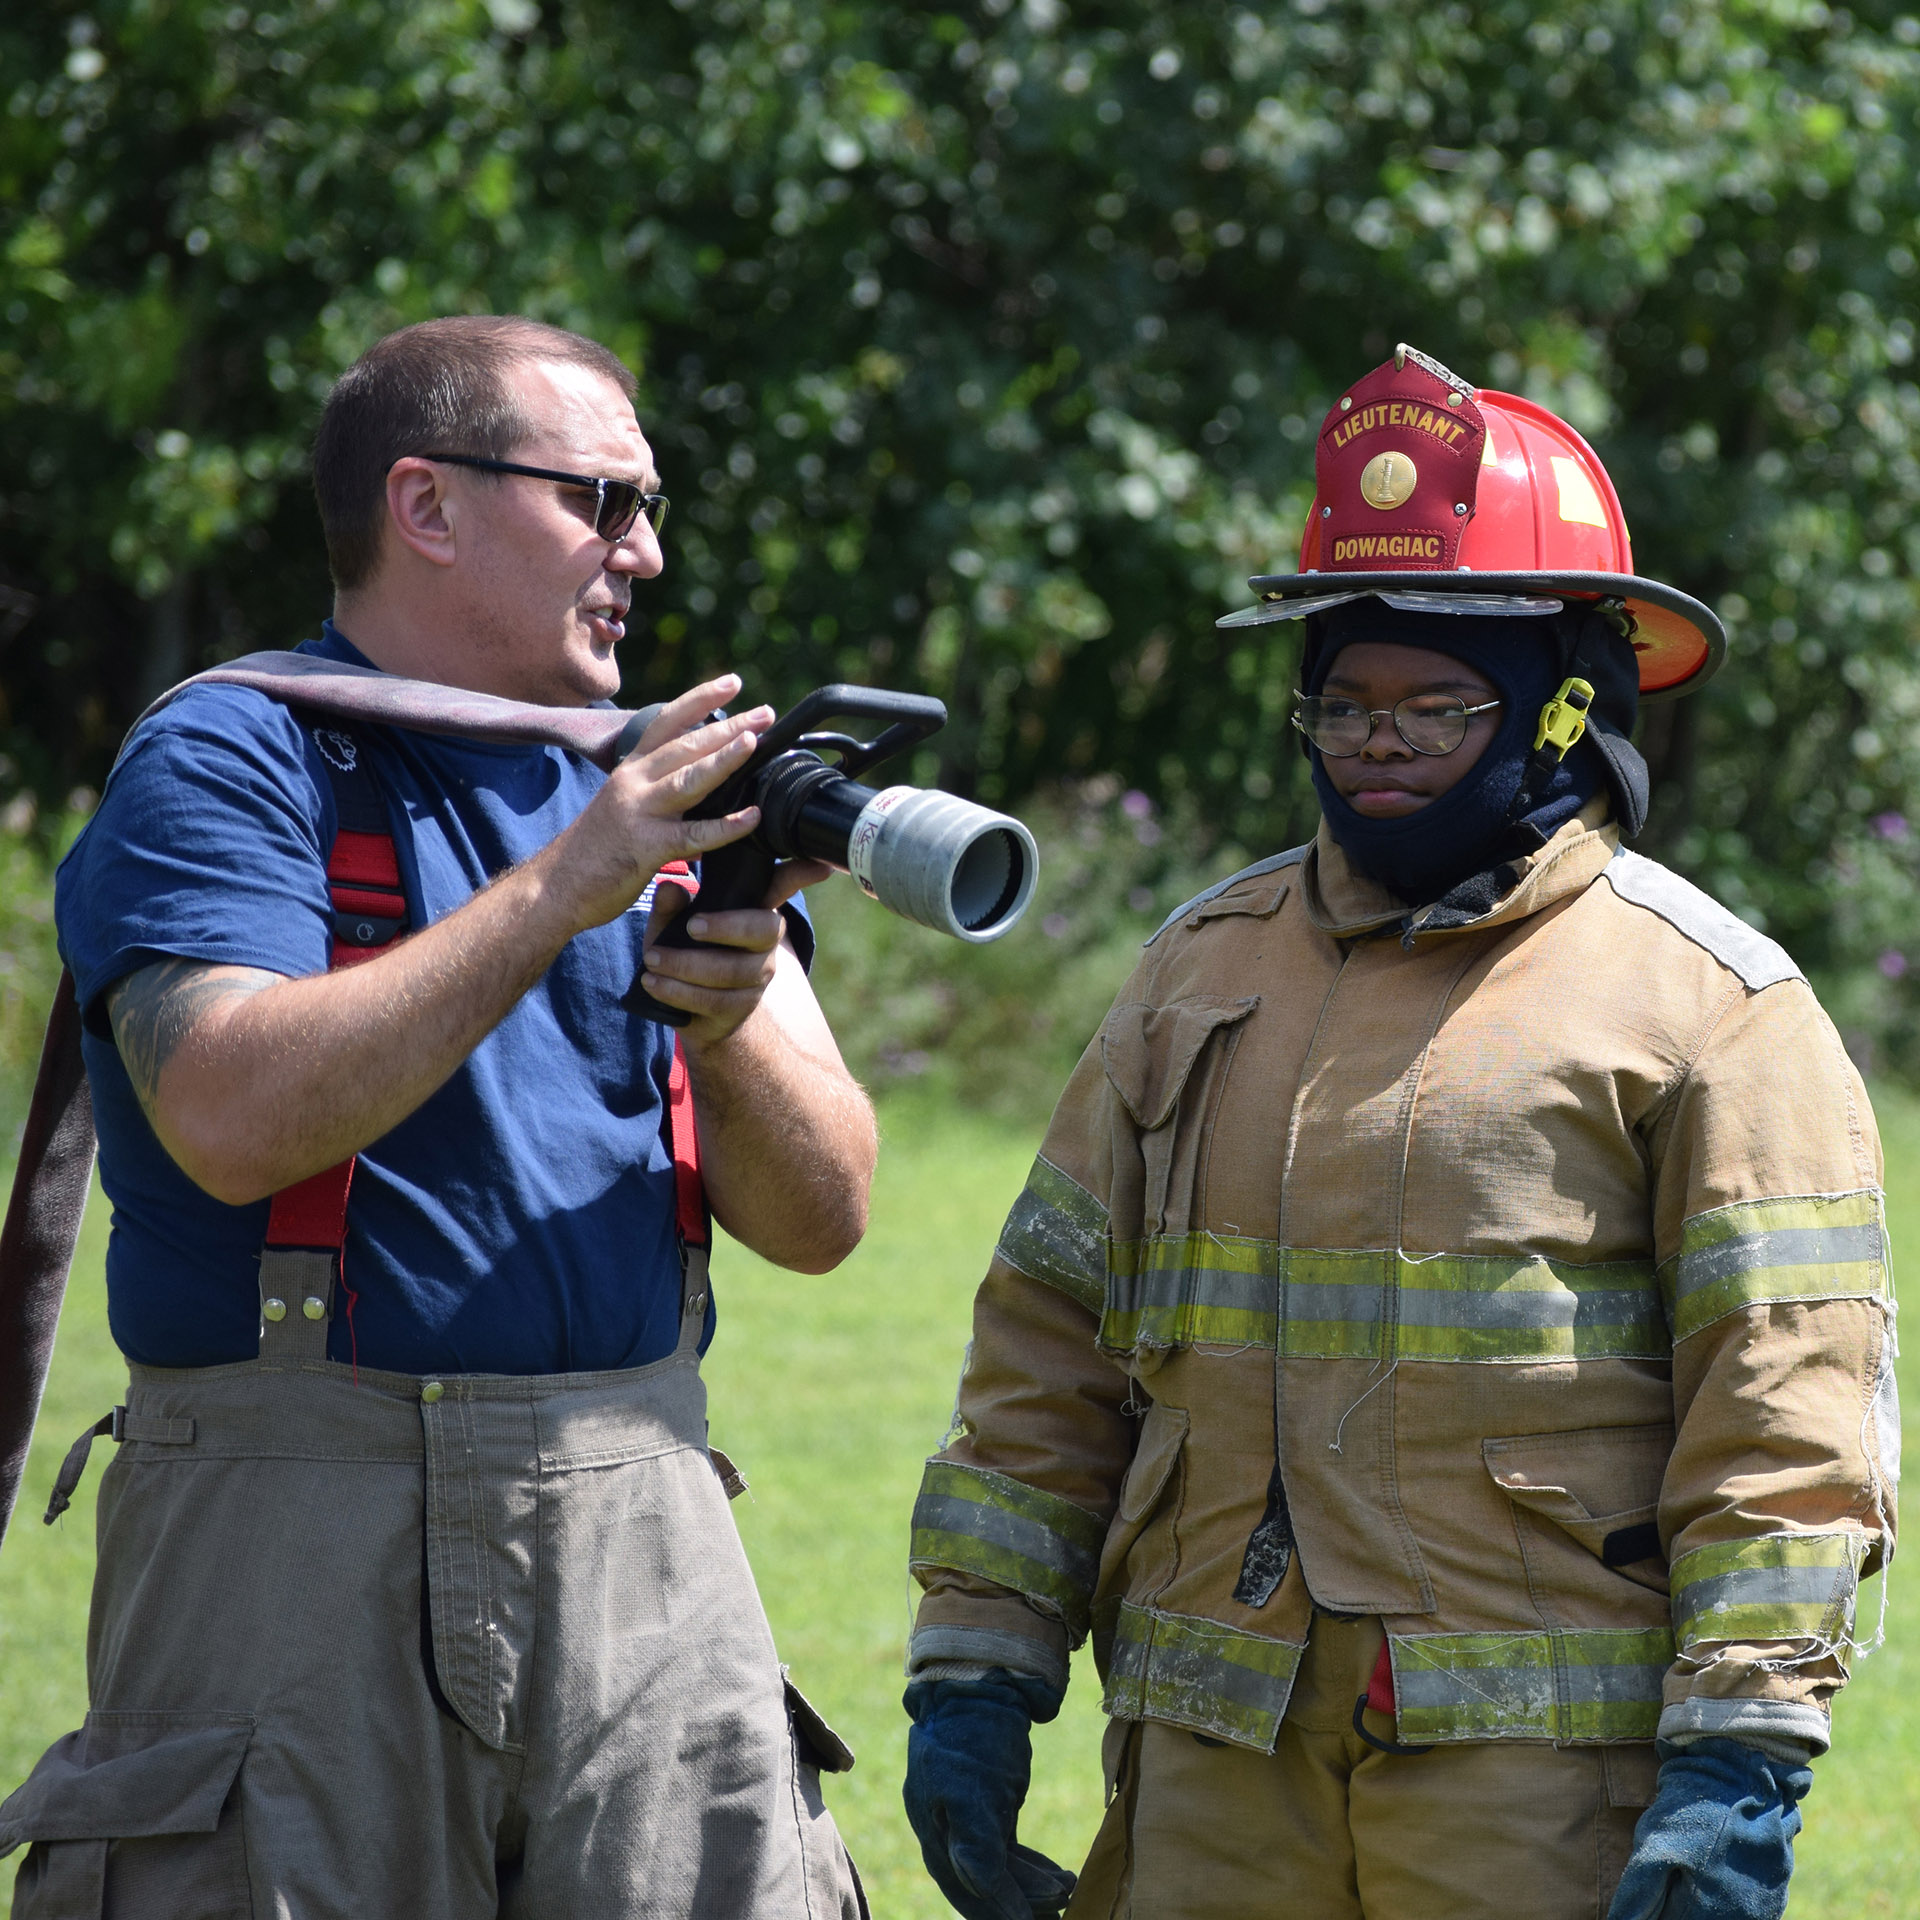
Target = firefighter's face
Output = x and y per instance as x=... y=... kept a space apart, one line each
x=1386 y=779
x=549 y=598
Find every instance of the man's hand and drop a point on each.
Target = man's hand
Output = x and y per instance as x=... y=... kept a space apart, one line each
x=722 y=982
x=602 y=863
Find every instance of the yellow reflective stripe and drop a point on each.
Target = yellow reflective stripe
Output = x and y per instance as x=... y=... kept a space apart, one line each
x=1188 y=1289
x=975 y=1521
x=1202 y=1289
x=1787 y=1586
x=1333 y=1302
x=1497 y=1307
x=1197 y=1673
x=1057 y=1232
x=1813 y=1247
x=1599 y=1684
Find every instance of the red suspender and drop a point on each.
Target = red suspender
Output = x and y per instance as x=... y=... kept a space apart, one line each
x=369 y=915
x=689 y=1191
x=1380 y=1683
x=363 y=876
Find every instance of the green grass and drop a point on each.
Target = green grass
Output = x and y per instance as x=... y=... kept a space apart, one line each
x=829 y=1392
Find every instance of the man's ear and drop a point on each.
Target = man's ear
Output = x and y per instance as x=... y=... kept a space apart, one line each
x=419 y=512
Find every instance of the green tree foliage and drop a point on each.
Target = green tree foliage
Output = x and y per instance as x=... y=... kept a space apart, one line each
x=984 y=350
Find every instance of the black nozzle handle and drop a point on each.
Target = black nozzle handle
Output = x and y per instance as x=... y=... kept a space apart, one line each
x=737 y=875
x=915 y=716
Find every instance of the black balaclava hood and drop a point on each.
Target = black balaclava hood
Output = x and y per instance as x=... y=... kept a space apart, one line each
x=1472 y=827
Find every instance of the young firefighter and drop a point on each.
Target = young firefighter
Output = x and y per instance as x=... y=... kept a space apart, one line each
x=1443 y=1351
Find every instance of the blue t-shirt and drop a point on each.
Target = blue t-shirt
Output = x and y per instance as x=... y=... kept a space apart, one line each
x=521 y=1220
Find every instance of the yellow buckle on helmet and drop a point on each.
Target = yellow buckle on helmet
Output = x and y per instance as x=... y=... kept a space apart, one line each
x=1564 y=718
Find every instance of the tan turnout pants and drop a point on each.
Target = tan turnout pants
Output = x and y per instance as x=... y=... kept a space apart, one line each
x=427 y=1650
x=1329 y=1828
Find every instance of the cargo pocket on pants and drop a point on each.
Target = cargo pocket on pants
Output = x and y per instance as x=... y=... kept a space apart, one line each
x=834 y=1891
x=134 y=1816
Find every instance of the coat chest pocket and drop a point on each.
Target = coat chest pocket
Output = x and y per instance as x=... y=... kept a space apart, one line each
x=135 y=1815
x=1586 y=1505
x=1168 y=1065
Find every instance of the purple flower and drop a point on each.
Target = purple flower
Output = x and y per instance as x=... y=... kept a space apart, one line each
x=1055 y=926
x=1892 y=964
x=1890 y=826
x=1135 y=805
x=1148 y=833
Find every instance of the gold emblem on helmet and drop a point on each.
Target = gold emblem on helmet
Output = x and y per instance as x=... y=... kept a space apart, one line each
x=1388 y=480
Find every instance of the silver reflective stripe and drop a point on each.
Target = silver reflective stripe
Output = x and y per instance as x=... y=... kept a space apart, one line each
x=1772 y=1586
x=1209 y=1290
x=1739 y=948
x=1057 y=1232
x=1482 y=1306
x=1002 y=1528
x=1175 y=1290
x=1785 y=1247
x=990 y=1524
x=1291 y=858
x=1589 y=1684
x=1558 y=1305
x=1781 y=1586
x=1191 y=1672
x=1320 y=1302
x=1830 y=1246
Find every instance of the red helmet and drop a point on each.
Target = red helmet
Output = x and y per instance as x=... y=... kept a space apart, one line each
x=1439 y=497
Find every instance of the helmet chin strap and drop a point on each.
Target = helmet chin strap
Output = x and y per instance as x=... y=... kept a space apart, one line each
x=1563 y=723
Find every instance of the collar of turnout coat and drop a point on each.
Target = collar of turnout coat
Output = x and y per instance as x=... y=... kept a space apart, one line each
x=1343 y=902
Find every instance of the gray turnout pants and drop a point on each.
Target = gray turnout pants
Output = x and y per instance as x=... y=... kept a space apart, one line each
x=412 y=1648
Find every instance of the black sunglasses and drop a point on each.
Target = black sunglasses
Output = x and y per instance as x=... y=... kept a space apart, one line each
x=617 y=503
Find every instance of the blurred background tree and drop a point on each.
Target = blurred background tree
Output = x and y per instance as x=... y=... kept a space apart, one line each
x=984 y=351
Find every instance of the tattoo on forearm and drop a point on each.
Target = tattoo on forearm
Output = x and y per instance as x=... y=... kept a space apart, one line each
x=154 y=1009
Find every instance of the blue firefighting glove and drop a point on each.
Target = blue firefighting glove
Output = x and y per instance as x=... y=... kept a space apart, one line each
x=1717 y=1843
x=969 y=1757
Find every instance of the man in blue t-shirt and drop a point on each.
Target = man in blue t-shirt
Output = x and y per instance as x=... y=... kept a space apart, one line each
x=442 y=1613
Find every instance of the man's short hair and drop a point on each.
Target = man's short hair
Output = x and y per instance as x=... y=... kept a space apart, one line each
x=437 y=387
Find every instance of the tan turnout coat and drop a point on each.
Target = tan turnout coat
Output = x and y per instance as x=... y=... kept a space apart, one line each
x=1548 y=1246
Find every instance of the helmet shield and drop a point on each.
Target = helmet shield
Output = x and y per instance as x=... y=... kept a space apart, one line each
x=1397 y=463
x=1482 y=503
